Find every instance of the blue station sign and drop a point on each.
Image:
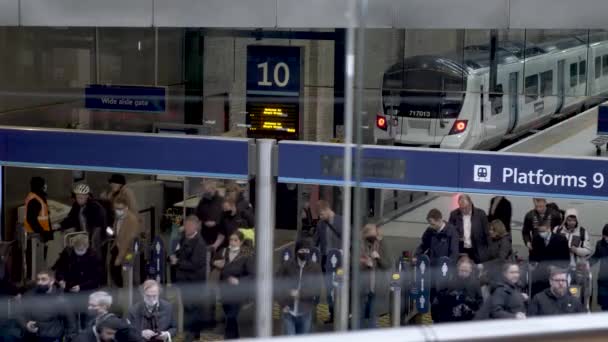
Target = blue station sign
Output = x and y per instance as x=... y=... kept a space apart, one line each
x=449 y=171
x=126 y=98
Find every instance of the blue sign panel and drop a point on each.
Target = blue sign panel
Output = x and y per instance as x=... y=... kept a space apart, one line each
x=423 y=284
x=126 y=98
x=273 y=91
x=602 y=120
x=156 y=268
x=137 y=153
x=273 y=70
x=451 y=171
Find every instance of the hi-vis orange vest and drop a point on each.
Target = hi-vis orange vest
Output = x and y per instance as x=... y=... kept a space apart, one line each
x=43 y=216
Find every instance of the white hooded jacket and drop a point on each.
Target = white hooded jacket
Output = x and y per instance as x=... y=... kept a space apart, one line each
x=580 y=251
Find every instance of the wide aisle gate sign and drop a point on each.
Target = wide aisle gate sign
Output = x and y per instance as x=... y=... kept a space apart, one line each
x=449 y=171
x=274 y=87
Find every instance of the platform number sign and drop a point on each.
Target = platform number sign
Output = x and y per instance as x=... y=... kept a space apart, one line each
x=274 y=86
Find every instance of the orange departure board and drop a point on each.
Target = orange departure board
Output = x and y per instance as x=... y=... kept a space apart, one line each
x=273 y=119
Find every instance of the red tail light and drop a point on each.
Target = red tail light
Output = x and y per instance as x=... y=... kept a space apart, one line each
x=459 y=126
x=381 y=122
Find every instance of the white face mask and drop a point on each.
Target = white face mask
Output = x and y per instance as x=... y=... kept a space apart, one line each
x=544 y=235
x=234 y=248
x=80 y=252
x=119 y=212
x=150 y=302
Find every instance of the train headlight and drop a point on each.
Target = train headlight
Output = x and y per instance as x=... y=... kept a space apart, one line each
x=381 y=122
x=459 y=126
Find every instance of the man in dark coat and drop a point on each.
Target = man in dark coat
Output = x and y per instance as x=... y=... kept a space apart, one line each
x=298 y=286
x=439 y=240
x=153 y=316
x=328 y=236
x=107 y=330
x=87 y=215
x=548 y=249
x=472 y=226
x=78 y=271
x=44 y=313
x=209 y=212
x=190 y=261
x=555 y=300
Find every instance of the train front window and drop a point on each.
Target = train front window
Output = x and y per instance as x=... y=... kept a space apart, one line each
x=424 y=94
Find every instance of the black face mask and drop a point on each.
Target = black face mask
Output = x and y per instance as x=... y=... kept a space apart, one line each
x=42 y=288
x=228 y=213
x=371 y=239
x=303 y=256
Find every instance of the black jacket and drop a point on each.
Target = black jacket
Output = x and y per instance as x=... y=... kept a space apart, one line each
x=33 y=211
x=159 y=320
x=546 y=303
x=459 y=301
x=479 y=232
x=556 y=253
x=503 y=212
x=440 y=244
x=210 y=210
x=124 y=332
x=86 y=336
x=242 y=268
x=506 y=301
x=533 y=219
x=85 y=271
x=310 y=284
x=499 y=252
x=245 y=211
x=51 y=312
x=192 y=259
x=94 y=213
x=230 y=224
x=601 y=256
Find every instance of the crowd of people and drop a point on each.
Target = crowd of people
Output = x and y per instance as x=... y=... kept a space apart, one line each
x=212 y=261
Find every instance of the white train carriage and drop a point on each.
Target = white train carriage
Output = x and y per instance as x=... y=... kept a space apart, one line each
x=440 y=102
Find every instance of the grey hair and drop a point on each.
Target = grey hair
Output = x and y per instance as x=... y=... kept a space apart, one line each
x=101 y=298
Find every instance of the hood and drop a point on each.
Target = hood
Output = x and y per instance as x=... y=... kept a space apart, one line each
x=570 y=212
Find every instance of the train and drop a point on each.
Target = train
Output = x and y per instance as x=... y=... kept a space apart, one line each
x=470 y=103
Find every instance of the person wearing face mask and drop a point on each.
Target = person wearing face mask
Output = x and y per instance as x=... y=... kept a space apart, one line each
x=236 y=279
x=461 y=298
x=37 y=215
x=375 y=265
x=99 y=306
x=236 y=192
x=78 y=271
x=209 y=211
x=541 y=213
x=231 y=220
x=601 y=255
x=87 y=215
x=44 y=313
x=127 y=228
x=328 y=235
x=153 y=317
x=298 y=286
x=578 y=238
x=117 y=188
x=555 y=300
x=548 y=249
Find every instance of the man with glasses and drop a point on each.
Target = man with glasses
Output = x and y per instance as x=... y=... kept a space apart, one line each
x=556 y=299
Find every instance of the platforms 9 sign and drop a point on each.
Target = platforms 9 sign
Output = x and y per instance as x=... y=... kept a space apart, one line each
x=273 y=91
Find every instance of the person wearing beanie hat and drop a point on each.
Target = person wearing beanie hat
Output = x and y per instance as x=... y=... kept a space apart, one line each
x=601 y=256
x=118 y=187
x=299 y=286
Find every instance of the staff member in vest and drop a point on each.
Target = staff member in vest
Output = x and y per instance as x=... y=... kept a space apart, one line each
x=472 y=226
x=37 y=218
